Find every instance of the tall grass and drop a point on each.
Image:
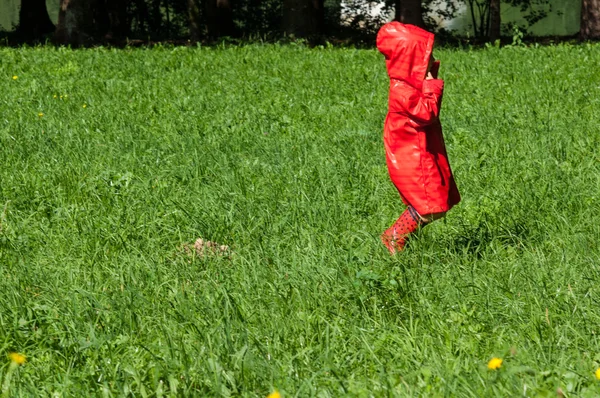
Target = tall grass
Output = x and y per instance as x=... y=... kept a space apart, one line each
x=112 y=160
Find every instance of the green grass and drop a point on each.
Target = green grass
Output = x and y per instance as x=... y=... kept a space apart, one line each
x=277 y=152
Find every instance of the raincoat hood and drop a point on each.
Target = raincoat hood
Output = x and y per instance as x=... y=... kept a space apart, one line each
x=407 y=49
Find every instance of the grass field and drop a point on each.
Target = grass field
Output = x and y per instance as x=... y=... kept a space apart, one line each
x=111 y=161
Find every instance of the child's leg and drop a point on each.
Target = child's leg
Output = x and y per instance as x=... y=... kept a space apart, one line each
x=427 y=218
x=394 y=238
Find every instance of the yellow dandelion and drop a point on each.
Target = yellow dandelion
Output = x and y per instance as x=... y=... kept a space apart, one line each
x=495 y=363
x=17 y=358
x=40 y=114
x=274 y=394
x=85 y=105
x=54 y=96
x=15 y=77
x=597 y=373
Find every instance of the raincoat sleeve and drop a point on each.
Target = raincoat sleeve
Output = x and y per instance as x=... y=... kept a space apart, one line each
x=422 y=106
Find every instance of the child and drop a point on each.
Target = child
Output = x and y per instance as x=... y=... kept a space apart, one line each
x=414 y=146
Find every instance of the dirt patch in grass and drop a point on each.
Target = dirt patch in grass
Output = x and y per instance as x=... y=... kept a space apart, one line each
x=206 y=248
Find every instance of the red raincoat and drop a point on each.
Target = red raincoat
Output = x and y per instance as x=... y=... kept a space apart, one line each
x=414 y=146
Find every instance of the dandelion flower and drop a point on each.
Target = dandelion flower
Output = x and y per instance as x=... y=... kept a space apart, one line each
x=274 y=394
x=17 y=358
x=495 y=363
x=54 y=96
x=597 y=373
x=15 y=77
x=85 y=105
x=40 y=114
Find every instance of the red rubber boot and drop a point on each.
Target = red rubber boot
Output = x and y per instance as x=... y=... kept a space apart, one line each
x=394 y=238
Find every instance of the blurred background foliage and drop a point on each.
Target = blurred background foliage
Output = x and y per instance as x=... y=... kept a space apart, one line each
x=88 y=22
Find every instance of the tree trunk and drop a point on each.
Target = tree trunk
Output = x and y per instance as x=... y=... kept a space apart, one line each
x=219 y=18
x=303 y=18
x=319 y=15
x=34 y=21
x=118 y=21
x=256 y=21
x=75 y=22
x=194 y=19
x=168 y=19
x=410 y=12
x=494 y=20
x=590 y=20
x=143 y=16
x=156 y=31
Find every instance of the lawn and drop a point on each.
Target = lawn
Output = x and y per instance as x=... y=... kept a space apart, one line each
x=113 y=162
